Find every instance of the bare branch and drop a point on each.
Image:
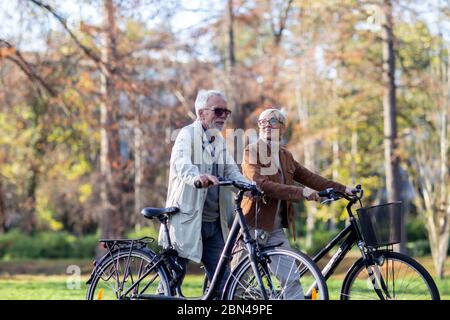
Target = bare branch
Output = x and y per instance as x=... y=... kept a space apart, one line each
x=25 y=66
x=63 y=22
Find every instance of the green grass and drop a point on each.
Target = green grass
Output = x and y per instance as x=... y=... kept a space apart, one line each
x=55 y=287
x=39 y=287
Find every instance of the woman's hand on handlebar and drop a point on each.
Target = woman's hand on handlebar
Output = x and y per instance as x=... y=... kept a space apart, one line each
x=310 y=195
x=350 y=190
x=255 y=196
x=350 y=194
x=206 y=181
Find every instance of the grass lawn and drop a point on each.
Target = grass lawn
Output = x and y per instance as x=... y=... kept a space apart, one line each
x=40 y=287
x=64 y=287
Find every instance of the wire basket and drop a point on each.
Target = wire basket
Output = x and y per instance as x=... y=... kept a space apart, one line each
x=381 y=225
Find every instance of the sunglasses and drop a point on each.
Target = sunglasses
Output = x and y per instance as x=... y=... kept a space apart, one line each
x=218 y=112
x=271 y=121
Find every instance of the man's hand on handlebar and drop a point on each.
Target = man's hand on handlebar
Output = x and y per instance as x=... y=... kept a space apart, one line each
x=249 y=189
x=206 y=180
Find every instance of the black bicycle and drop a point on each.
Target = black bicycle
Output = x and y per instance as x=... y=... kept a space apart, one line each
x=380 y=273
x=130 y=270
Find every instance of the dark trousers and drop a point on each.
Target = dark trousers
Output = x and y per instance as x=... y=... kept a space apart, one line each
x=213 y=244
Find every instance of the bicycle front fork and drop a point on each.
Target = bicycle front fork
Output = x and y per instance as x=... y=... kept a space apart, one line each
x=374 y=272
x=254 y=263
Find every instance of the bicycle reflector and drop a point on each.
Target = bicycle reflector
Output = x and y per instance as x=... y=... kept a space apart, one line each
x=100 y=294
x=314 y=294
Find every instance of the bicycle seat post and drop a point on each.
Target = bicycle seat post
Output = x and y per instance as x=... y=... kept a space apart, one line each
x=166 y=230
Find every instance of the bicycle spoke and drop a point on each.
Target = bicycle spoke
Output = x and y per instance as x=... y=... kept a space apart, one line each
x=401 y=279
x=122 y=278
x=281 y=278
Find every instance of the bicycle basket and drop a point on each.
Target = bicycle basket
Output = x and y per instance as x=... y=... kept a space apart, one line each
x=381 y=225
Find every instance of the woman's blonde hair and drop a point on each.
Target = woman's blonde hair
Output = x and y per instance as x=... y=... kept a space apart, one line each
x=279 y=114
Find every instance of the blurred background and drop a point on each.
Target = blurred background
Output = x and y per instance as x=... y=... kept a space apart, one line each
x=91 y=93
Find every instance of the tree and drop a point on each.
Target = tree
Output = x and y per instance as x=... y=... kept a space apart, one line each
x=112 y=220
x=391 y=160
x=2 y=209
x=428 y=141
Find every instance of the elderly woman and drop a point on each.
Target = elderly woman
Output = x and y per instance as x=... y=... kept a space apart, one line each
x=274 y=169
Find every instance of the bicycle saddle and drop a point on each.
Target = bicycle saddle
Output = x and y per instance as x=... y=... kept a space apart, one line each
x=151 y=213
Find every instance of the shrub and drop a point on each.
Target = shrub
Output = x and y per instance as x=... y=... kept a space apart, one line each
x=319 y=241
x=46 y=245
x=418 y=248
x=416 y=230
x=146 y=232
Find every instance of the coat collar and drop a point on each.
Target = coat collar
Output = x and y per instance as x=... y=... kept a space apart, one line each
x=282 y=152
x=201 y=134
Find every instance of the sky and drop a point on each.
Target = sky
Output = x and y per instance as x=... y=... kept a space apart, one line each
x=29 y=34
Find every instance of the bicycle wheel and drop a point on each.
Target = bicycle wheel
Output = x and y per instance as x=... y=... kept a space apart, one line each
x=286 y=275
x=390 y=276
x=117 y=274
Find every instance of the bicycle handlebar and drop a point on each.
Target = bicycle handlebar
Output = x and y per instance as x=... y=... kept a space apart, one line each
x=241 y=185
x=334 y=195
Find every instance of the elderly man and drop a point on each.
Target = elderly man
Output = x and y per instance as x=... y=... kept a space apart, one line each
x=199 y=154
x=274 y=170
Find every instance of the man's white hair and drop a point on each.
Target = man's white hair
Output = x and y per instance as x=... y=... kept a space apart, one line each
x=279 y=114
x=203 y=97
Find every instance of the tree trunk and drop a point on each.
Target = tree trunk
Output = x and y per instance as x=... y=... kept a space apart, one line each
x=112 y=220
x=441 y=228
x=302 y=106
x=237 y=115
x=391 y=160
x=30 y=220
x=434 y=201
x=312 y=209
x=335 y=177
x=237 y=119
x=138 y=173
x=354 y=153
x=2 y=209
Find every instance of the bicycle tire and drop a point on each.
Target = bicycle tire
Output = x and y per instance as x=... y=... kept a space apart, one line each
x=358 y=283
x=144 y=258
x=242 y=284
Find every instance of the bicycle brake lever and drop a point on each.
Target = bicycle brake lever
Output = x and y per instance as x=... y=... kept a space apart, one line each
x=326 y=201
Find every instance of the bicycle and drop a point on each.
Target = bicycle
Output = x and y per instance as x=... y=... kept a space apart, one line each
x=130 y=270
x=380 y=273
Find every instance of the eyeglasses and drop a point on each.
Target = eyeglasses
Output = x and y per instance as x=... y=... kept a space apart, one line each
x=218 y=112
x=271 y=121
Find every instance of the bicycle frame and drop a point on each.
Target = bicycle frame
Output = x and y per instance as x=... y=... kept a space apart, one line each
x=239 y=223
x=351 y=235
x=251 y=245
x=350 y=239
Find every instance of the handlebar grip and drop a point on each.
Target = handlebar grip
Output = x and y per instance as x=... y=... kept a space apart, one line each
x=324 y=193
x=257 y=192
x=198 y=184
x=357 y=189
